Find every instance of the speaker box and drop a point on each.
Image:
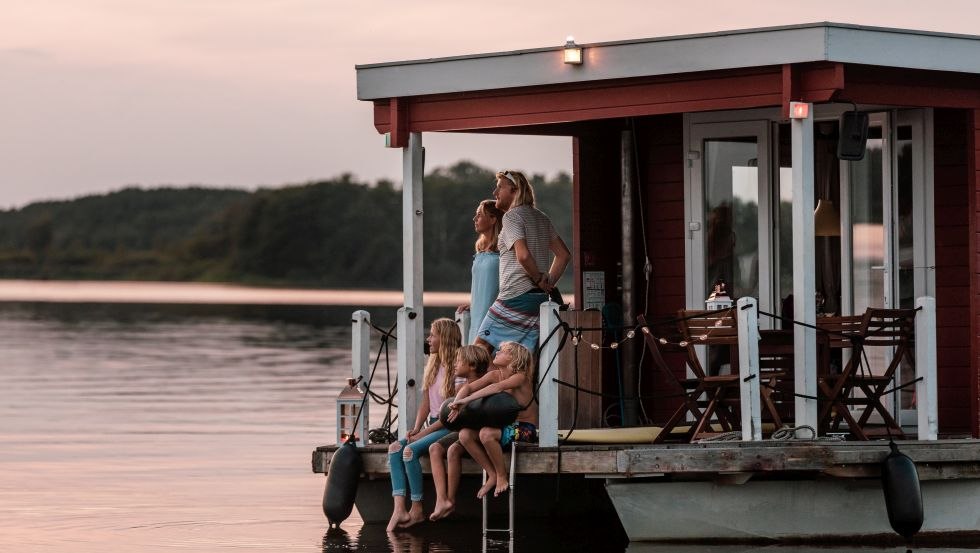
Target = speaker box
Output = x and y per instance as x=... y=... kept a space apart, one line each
x=853 y=135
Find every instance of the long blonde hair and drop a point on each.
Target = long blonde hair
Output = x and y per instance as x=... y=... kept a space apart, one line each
x=524 y=194
x=489 y=209
x=449 y=341
x=521 y=360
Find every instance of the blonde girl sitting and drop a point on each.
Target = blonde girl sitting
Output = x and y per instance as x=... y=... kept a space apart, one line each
x=403 y=456
x=513 y=372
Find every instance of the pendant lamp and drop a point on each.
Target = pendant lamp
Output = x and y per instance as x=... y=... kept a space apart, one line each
x=826 y=220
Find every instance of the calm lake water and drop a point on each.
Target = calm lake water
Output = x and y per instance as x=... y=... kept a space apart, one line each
x=189 y=428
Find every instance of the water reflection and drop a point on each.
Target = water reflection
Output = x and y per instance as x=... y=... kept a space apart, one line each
x=147 y=428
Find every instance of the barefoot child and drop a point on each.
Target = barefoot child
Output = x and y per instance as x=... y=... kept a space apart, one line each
x=513 y=372
x=446 y=455
x=403 y=455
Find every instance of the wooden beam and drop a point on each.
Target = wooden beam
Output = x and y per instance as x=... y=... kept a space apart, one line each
x=398 y=122
x=943 y=459
x=790 y=88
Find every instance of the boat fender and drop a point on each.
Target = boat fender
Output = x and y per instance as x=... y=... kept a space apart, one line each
x=497 y=410
x=344 y=473
x=903 y=496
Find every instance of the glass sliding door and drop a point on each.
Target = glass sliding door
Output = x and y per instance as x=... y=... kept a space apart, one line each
x=870 y=258
x=727 y=220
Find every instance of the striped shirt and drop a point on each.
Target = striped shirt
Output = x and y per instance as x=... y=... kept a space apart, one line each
x=531 y=225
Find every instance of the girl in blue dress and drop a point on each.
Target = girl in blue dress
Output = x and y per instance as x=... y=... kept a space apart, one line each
x=486 y=265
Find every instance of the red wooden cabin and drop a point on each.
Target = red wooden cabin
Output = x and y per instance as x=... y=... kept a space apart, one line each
x=702 y=123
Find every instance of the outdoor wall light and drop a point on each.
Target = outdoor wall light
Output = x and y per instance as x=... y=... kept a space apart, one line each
x=573 y=52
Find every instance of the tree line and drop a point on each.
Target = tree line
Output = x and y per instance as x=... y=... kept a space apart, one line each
x=338 y=233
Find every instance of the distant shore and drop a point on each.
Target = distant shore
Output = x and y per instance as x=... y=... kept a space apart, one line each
x=205 y=293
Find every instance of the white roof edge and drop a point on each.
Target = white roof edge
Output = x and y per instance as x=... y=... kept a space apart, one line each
x=824 y=41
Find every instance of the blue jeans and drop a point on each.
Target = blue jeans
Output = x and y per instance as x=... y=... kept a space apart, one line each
x=412 y=469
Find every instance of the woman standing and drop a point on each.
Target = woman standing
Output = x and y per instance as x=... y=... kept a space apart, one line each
x=484 y=283
x=526 y=243
x=403 y=456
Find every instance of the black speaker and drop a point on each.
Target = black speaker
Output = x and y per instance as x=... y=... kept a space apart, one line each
x=853 y=135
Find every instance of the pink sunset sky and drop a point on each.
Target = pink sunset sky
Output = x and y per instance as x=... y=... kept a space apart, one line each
x=96 y=95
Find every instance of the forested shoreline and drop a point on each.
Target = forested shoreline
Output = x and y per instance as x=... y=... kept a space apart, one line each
x=338 y=233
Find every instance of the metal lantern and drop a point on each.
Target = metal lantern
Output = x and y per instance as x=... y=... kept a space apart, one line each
x=719 y=298
x=348 y=407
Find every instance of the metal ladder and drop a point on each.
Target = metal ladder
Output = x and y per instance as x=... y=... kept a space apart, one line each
x=510 y=498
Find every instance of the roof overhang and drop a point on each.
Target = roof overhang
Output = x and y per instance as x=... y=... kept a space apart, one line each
x=770 y=46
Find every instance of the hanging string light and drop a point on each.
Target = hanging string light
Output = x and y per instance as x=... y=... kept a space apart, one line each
x=616 y=344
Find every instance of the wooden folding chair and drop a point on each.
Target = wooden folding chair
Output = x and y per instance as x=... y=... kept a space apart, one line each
x=889 y=328
x=712 y=328
x=689 y=389
x=776 y=370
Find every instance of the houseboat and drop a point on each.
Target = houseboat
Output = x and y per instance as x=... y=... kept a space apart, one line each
x=817 y=172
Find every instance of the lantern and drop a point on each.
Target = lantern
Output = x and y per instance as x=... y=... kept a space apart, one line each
x=719 y=297
x=348 y=408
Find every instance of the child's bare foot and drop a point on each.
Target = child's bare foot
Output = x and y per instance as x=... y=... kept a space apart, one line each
x=414 y=517
x=397 y=518
x=485 y=489
x=502 y=485
x=443 y=509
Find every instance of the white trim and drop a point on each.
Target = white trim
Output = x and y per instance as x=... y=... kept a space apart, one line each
x=410 y=317
x=748 y=369
x=695 y=134
x=767 y=46
x=804 y=278
x=545 y=375
x=360 y=356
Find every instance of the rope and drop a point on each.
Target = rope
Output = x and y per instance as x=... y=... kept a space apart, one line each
x=385 y=335
x=789 y=433
x=733 y=436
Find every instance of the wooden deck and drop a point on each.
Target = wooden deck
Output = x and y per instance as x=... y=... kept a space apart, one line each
x=937 y=460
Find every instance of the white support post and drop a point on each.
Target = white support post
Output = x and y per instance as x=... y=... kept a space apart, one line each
x=548 y=391
x=360 y=356
x=925 y=366
x=463 y=322
x=804 y=279
x=748 y=369
x=410 y=320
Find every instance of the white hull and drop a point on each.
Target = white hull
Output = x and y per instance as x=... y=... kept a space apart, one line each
x=826 y=508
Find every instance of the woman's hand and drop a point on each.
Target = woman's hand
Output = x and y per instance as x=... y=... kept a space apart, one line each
x=462 y=307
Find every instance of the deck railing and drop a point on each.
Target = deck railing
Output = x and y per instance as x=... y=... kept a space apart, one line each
x=748 y=336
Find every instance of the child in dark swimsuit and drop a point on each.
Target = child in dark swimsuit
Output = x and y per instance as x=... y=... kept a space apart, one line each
x=513 y=372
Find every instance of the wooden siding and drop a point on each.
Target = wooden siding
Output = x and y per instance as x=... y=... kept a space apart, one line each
x=596 y=214
x=973 y=188
x=952 y=225
x=912 y=88
x=661 y=155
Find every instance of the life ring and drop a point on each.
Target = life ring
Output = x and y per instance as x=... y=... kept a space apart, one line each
x=345 y=470
x=497 y=410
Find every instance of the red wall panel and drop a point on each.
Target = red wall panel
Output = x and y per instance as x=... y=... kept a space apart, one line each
x=953 y=193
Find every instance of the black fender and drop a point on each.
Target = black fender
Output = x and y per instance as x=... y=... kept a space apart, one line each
x=497 y=410
x=344 y=474
x=903 y=495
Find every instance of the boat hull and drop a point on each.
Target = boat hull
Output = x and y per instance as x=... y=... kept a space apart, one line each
x=821 y=509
